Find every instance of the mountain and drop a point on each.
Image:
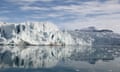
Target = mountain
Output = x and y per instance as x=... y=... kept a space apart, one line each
x=93 y=29
x=93 y=36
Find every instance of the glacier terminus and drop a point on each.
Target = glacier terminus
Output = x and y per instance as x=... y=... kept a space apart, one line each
x=46 y=33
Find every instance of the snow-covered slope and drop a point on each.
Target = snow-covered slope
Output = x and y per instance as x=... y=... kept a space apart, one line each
x=33 y=33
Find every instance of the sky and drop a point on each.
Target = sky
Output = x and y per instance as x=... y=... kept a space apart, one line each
x=66 y=14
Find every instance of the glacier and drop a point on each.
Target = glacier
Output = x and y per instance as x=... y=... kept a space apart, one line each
x=33 y=33
x=46 y=33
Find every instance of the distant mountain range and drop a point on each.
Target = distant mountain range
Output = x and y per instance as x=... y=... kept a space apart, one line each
x=93 y=29
x=96 y=37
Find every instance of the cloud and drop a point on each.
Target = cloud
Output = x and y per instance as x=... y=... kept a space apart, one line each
x=93 y=13
x=111 y=22
x=43 y=16
x=4 y=11
x=90 y=7
x=27 y=5
x=72 y=14
x=27 y=1
x=32 y=8
x=21 y=2
x=54 y=15
x=3 y=19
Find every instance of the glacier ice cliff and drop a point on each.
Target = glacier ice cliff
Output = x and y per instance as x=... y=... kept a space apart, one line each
x=33 y=33
x=44 y=33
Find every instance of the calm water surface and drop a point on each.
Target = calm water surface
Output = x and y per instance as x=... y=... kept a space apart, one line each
x=60 y=59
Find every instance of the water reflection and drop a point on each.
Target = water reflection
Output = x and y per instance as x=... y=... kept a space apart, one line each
x=52 y=56
x=104 y=53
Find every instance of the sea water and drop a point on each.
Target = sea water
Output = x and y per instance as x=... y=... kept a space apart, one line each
x=60 y=58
